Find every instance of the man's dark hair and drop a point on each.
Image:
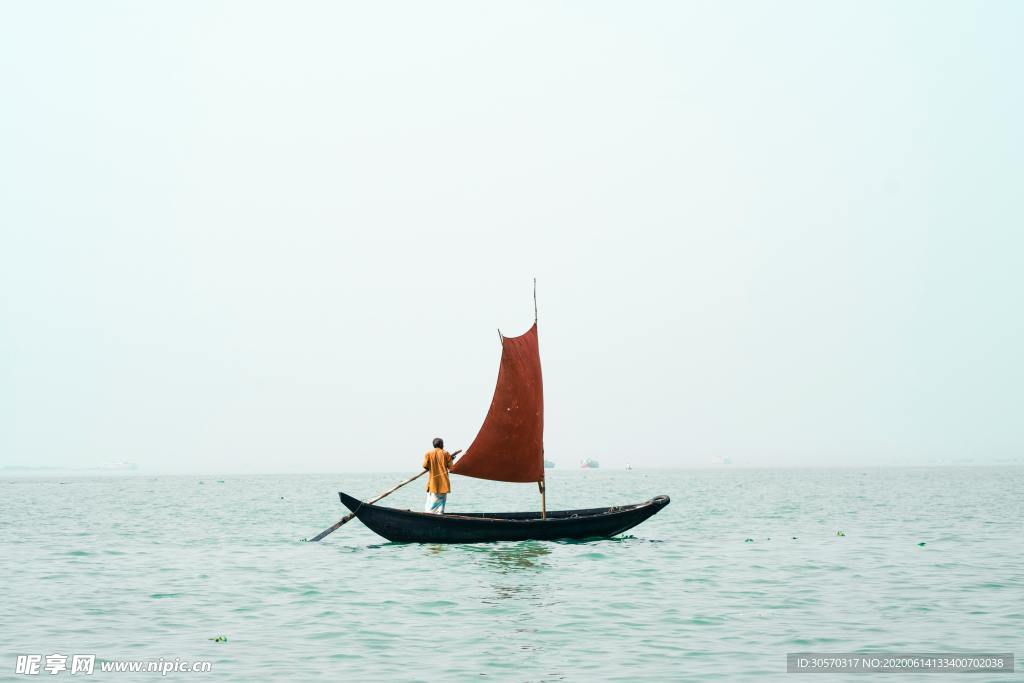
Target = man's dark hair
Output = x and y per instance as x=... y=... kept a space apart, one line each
x=438 y=443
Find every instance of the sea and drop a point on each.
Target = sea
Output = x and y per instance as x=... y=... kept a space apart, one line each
x=743 y=567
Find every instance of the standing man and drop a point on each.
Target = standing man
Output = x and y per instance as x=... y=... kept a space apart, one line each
x=437 y=462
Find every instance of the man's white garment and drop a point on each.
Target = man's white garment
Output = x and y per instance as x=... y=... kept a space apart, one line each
x=435 y=503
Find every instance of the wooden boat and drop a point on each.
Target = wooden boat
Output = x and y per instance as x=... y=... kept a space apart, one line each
x=406 y=526
x=509 y=447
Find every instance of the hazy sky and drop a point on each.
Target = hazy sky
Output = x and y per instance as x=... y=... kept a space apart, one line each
x=280 y=236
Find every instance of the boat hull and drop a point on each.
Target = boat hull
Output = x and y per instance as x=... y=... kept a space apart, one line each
x=406 y=526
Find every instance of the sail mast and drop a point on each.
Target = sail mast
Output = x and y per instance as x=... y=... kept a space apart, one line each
x=541 y=483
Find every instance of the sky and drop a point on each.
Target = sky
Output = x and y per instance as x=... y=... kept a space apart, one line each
x=281 y=237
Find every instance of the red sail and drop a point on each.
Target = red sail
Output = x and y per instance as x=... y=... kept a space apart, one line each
x=510 y=445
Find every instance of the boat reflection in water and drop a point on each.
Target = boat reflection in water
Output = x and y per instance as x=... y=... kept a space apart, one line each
x=510 y=558
x=514 y=566
x=507 y=558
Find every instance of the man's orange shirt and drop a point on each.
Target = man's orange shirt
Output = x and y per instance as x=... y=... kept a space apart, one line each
x=438 y=461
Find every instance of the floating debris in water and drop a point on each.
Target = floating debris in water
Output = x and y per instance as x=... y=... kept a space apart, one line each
x=219 y=639
x=921 y=544
x=840 y=533
x=220 y=481
x=749 y=540
x=794 y=538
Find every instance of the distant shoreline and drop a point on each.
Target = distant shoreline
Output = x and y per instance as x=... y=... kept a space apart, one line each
x=51 y=472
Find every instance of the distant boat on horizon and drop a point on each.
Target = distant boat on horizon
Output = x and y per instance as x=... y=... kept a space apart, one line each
x=589 y=464
x=549 y=464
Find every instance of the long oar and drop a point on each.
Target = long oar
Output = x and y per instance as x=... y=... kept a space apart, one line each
x=350 y=515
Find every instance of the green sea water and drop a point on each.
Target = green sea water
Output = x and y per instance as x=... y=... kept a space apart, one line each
x=744 y=566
